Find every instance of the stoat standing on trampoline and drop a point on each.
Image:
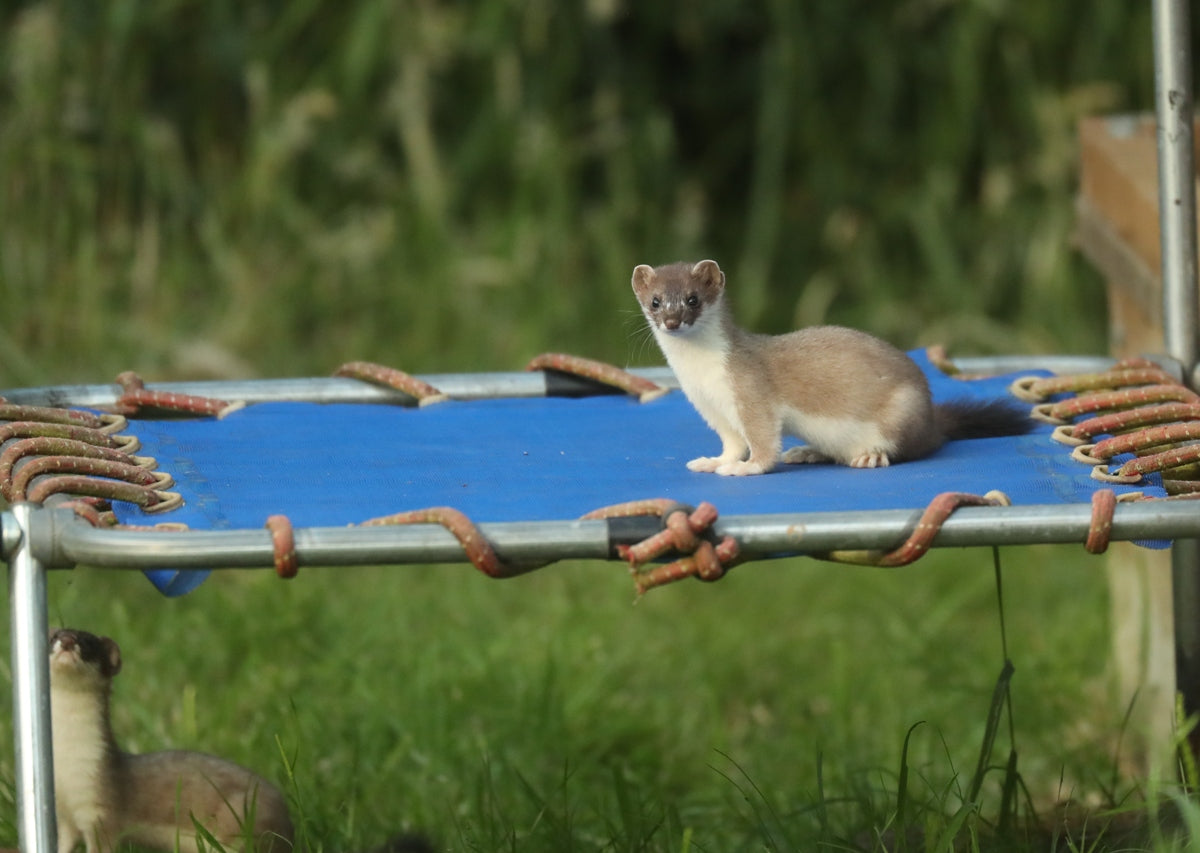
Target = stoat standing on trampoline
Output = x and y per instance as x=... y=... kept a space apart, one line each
x=103 y=796
x=853 y=398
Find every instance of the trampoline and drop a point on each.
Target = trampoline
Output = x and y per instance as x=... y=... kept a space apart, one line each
x=540 y=466
x=570 y=460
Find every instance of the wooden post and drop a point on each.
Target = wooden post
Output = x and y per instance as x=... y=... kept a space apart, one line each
x=1118 y=231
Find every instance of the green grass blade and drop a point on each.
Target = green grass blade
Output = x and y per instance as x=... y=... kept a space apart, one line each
x=995 y=712
x=902 y=816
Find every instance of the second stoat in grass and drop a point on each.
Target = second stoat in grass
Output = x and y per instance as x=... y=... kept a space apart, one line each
x=853 y=398
x=103 y=796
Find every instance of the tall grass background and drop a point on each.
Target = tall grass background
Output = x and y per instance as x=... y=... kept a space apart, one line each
x=271 y=187
x=258 y=188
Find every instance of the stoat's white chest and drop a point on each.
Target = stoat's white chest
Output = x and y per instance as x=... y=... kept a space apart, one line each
x=80 y=751
x=699 y=357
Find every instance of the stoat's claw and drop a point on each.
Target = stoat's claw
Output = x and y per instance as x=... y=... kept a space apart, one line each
x=874 y=459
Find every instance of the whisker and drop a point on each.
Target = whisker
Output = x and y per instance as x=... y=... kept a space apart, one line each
x=638 y=331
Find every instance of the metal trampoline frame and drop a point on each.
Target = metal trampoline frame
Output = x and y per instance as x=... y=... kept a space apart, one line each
x=35 y=539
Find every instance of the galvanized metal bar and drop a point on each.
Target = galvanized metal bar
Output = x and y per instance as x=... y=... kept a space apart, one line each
x=31 y=683
x=1176 y=177
x=1177 y=223
x=764 y=536
x=460 y=386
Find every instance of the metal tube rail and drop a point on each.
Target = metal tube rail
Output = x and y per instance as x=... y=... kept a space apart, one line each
x=460 y=386
x=60 y=540
x=1177 y=234
x=31 y=681
x=1176 y=177
x=330 y=389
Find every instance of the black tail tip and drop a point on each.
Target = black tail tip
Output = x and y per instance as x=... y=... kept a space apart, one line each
x=984 y=418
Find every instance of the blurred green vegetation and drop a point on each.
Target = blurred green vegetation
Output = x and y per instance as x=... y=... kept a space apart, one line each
x=546 y=714
x=257 y=187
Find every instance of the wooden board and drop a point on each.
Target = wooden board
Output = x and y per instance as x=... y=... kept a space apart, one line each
x=1117 y=229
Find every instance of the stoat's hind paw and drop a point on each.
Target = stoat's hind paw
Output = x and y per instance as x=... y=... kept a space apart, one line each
x=705 y=464
x=804 y=455
x=873 y=459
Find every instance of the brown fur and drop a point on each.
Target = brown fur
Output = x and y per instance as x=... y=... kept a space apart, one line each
x=853 y=398
x=104 y=796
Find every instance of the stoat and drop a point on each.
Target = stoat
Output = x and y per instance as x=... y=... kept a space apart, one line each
x=853 y=398
x=103 y=796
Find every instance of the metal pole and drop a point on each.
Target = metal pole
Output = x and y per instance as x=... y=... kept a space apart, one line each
x=1177 y=222
x=761 y=536
x=31 y=685
x=1176 y=177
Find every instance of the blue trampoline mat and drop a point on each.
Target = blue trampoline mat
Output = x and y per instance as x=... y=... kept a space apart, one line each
x=519 y=459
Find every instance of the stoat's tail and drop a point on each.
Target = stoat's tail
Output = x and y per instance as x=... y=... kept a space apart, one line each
x=982 y=418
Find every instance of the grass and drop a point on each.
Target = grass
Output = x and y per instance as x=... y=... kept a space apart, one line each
x=793 y=706
x=273 y=188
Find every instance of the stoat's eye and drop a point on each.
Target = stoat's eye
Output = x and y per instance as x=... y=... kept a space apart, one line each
x=655 y=303
x=693 y=301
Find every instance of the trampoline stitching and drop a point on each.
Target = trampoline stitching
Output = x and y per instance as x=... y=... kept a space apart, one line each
x=100 y=438
x=1124 y=373
x=137 y=397
x=74 y=452
x=390 y=377
x=148 y=498
x=283 y=540
x=98 y=513
x=1127 y=419
x=708 y=563
x=926 y=530
x=607 y=374
x=1143 y=410
x=41 y=446
x=1104 y=503
x=1102 y=401
x=114 y=469
x=681 y=533
x=931 y=521
x=684 y=532
x=70 y=417
x=475 y=545
x=95 y=511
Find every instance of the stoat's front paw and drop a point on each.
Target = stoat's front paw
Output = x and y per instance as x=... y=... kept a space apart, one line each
x=873 y=459
x=804 y=455
x=705 y=464
x=740 y=469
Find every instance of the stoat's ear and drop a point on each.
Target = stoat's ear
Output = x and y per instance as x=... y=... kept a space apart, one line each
x=708 y=273
x=113 y=652
x=643 y=277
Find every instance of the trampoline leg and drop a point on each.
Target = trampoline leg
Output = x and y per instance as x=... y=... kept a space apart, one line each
x=1176 y=180
x=1185 y=595
x=31 y=686
x=1173 y=101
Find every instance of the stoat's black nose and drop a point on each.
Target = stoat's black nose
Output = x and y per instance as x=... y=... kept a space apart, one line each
x=63 y=639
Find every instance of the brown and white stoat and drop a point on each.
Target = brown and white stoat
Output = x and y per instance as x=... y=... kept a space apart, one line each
x=103 y=796
x=853 y=398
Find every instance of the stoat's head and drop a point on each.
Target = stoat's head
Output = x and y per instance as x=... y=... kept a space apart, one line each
x=82 y=660
x=674 y=297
